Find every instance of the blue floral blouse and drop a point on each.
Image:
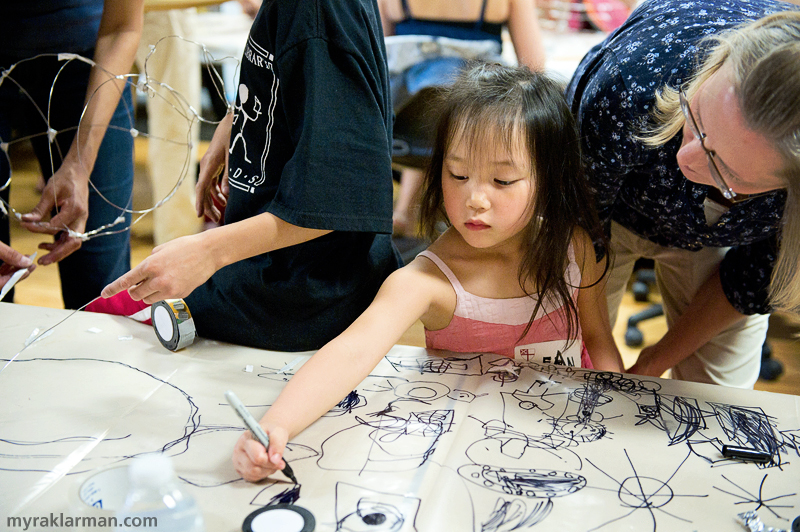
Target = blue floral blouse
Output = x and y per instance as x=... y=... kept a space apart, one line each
x=642 y=188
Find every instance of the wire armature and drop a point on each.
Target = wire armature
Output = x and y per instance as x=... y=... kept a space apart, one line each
x=142 y=84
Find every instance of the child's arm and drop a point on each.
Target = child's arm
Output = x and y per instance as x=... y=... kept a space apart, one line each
x=179 y=266
x=593 y=308
x=335 y=370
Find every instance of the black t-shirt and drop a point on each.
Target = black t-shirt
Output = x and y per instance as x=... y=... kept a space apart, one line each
x=311 y=144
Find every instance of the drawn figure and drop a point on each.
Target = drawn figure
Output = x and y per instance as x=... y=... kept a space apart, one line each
x=643 y=495
x=363 y=510
x=392 y=442
x=105 y=441
x=448 y=365
x=760 y=500
x=244 y=95
x=530 y=483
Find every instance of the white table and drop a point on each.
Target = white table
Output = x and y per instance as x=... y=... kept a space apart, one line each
x=430 y=443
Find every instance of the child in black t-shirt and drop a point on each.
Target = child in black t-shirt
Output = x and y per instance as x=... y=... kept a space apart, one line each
x=306 y=184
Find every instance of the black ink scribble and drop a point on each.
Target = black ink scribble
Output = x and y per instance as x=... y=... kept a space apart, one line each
x=396 y=442
x=347 y=405
x=179 y=445
x=644 y=493
x=749 y=427
x=530 y=483
x=360 y=509
x=514 y=515
x=448 y=365
x=759 y=500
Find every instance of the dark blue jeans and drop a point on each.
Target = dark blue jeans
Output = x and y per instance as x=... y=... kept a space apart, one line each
x=104 y=258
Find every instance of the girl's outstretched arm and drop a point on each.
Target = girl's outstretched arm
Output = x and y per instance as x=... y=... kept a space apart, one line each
x=335 y=370
x=593 y=309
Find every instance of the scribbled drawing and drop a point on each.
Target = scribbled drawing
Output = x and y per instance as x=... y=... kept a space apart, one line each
x=645 y=496
x=684 y=417
x=277 y=492
x=393 y=439
x=514 y=515
x=464 y=396
x=244 y=95
x=759 y=500
x=749 y=427
x=424 y=391
x=530 y=483
x=90 y=378
x=360 y=509
x=448 y=365
x=352 y=401
x=503 y=370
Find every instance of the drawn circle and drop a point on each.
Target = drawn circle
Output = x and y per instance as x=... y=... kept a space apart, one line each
x=280 y=518
x=425 y=391
x=527 y=405
x=644 y=492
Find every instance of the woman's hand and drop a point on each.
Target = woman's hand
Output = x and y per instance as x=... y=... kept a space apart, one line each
x=68 y=192
x=252 y=461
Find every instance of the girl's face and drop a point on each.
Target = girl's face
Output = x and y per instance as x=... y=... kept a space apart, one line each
x=487 y=190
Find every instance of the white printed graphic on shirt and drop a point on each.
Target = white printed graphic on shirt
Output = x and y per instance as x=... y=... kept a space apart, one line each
x=241 y=112
x=249 y=114
x=553 y=352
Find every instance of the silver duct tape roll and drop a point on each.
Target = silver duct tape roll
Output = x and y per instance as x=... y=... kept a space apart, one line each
x=173 y=324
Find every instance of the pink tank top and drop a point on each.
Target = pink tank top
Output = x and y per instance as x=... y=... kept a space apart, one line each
x=486 y=325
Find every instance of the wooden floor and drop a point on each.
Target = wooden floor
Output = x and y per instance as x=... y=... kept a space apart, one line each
x=42 y=288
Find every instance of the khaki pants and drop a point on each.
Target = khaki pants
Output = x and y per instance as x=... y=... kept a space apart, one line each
x=177 y=64
x=732 y=358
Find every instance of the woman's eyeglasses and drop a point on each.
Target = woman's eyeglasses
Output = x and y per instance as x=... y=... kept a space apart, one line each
x=712 y=165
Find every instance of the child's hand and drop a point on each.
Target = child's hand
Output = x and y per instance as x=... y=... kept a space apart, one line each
x=252 y=461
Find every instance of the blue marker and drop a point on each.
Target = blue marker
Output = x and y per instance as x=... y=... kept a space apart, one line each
x=255 y=428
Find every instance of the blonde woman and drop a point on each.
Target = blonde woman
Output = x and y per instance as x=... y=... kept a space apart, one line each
x=691 y=132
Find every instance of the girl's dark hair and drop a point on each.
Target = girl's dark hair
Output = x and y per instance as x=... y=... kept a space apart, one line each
x=491 y=104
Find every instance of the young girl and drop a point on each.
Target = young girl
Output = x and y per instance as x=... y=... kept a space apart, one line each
x=515 y=272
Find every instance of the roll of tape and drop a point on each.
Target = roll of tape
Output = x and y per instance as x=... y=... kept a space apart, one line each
x=280 y=518
x=173 y=324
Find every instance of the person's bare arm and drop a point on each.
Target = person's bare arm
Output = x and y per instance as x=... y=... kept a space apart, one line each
x=526 y=33
x=336 y=369
x=177 y=267
x=68 y=189
x=707 y=315
x=593 y=308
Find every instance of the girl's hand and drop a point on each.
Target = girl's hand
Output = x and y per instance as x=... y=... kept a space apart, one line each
x=252 y=461
x=173 y=270
x=212 y=180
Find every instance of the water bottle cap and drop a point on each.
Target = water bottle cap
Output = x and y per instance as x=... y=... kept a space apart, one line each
x=151 y=470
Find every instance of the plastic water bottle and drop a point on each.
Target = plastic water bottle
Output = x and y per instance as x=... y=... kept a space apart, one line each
x=154 y=494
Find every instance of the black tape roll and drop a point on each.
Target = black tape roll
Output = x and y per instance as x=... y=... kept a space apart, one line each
x=267 y=519
x=173 y=324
